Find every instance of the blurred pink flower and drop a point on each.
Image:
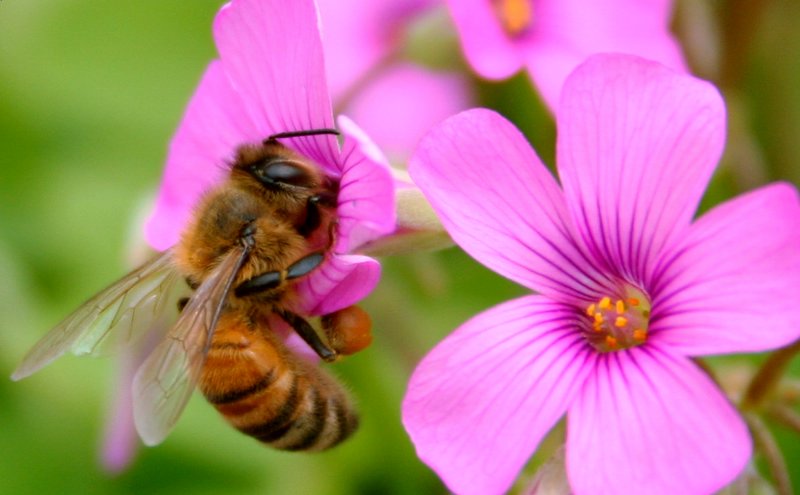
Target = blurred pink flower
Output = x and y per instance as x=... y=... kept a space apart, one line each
x=270 y=78
x=551 y=37
x=394 y=100
x=629 y=289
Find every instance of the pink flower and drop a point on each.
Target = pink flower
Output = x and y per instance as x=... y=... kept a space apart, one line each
x=392 y=98
x=551 y=37
x=629 y=289
x=270 y=78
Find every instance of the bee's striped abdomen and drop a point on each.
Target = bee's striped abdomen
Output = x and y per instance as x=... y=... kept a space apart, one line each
x=270 y=394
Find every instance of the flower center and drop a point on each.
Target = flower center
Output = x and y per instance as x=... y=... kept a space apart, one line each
x=618 y=323
x=514 y=15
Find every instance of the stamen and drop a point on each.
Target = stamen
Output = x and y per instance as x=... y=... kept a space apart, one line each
x=618 y=323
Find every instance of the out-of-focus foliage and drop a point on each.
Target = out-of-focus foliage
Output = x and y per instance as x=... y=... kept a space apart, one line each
x=90 y=93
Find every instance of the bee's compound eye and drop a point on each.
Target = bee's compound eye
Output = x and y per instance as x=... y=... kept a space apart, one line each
x=282 y=172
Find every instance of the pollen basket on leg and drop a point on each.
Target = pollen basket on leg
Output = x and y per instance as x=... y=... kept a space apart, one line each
x=515 y=16
x=617 y=322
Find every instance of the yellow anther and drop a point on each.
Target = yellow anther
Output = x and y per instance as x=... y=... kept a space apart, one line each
x=598 y=318
x=591 y=309
x=633 y=301
x=605 y=303
x=611 y=341
x=620 y=322
x=639 y=335
x=620 y=307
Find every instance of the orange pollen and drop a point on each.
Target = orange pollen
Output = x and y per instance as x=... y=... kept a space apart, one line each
x=514 y=15
x=618 y=323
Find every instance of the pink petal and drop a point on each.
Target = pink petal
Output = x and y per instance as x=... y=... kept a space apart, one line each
x=121 y=441
x=214 y=124
x=488 y=49
x=481 y=401
x=353 y=42
x=343 y=280
x=501 y=205
x=272 y=54
x=637 y=145
x=404 y=101
x=650 y=422
x=366 y=207
x=359 y=35
x=731 y=282
x=567 y=31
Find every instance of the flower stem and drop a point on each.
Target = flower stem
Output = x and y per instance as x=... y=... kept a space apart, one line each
x=766 y=444
x=786 y=416
x=766 y=379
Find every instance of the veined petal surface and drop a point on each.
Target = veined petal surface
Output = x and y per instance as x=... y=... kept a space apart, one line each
x=649 y=422
x=731 y=283
x=272 y=55
x=501 y=205
x=637 y=144
x=481 y=401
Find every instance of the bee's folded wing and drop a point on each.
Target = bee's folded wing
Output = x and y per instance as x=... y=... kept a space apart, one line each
x=165 y=381
x=120 y=314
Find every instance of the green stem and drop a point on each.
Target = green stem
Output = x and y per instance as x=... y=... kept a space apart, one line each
x=786 y=416
x=767 y=446
x=766 y=380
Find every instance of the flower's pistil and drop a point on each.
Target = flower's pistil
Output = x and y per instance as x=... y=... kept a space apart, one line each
x=618 y=323
x=514 y=15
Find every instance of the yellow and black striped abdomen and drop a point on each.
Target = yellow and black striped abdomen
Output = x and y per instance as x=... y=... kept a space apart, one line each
x=267 y=392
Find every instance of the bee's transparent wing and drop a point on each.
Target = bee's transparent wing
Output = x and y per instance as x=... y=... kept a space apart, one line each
x=165 y=381
x=121 y=313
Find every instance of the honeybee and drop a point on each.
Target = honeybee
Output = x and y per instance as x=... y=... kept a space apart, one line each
x=270 y=223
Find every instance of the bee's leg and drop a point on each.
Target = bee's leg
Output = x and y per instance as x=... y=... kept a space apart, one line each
x=273 y=280
x=313 y=215
x=261 y=283
x=304 y=266
x=182 y=302
x=308 y=334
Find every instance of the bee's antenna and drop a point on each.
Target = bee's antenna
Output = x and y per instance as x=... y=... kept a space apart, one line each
x=291 y=134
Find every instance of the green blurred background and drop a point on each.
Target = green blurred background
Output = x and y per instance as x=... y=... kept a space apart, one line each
x=90 y=93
